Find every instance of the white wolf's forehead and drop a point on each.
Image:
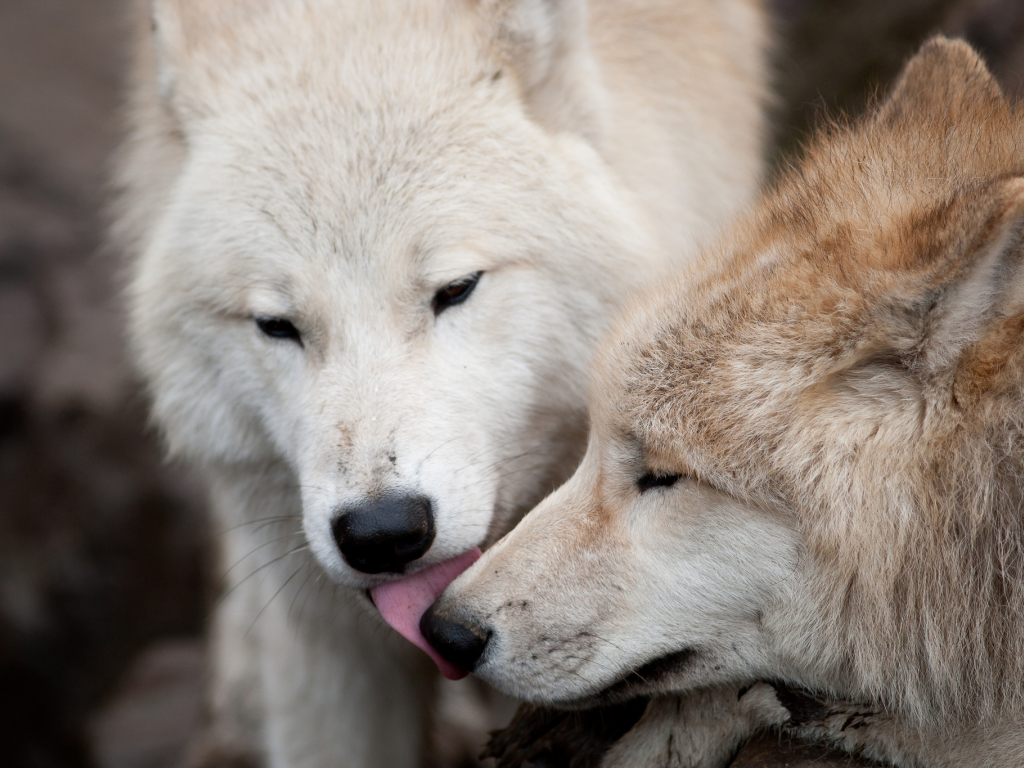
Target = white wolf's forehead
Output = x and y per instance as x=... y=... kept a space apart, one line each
x=362 y=49
x=429 y=214
x=330 y=167
x=359 y=99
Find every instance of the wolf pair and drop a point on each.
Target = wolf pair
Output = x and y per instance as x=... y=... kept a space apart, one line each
x=374 y=246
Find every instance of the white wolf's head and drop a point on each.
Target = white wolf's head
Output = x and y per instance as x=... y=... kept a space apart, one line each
x=374 y=262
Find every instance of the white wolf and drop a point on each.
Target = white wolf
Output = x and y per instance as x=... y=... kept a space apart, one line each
x=805 y=467
x=373 y=245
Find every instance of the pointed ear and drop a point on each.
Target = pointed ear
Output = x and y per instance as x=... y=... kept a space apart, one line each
x=169 y=43
x=976 y=323
x=546 y=45
x=945 y=80
x=184 y=28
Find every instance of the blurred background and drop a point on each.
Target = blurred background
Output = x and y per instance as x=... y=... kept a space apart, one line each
x=104 y=554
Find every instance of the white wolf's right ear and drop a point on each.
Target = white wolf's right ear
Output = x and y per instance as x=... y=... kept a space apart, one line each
x=546 y=45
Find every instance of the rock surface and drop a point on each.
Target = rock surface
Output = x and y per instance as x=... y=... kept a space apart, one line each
x=773 y=751
x=101 y=544
x=156 y=709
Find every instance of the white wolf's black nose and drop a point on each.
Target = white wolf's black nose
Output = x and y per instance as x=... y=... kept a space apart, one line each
x=457 y=638
x=385 y=534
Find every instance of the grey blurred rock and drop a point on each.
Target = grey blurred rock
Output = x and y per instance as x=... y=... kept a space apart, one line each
x=102 y=546
x=156 y=711
x=21 y=335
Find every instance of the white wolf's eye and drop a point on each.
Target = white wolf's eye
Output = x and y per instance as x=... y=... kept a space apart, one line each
x=279 y=328
x=649 y=480
x=455 y=292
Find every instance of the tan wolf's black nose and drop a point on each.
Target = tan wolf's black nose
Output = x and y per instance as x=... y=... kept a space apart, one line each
x=456 y=638
x=385 y=534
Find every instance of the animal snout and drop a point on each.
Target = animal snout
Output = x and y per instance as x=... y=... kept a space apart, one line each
x=386 y=534
x=457 y=638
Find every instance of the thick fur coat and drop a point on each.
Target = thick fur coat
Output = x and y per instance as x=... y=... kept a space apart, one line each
x=306 y=185
x=801 y=504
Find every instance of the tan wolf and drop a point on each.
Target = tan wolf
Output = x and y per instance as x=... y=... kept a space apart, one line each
x=805 y=467
x=373 y=245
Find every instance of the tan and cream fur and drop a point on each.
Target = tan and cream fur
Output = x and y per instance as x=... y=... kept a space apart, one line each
x=802 y=503
x=302 y=181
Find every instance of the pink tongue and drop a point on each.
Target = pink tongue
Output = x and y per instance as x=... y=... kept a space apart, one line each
x=403 y=603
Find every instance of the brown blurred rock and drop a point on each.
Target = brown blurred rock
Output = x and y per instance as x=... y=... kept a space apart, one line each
x=101 y=550
x=101 y=544
x=837 y=54
x=156 y=712
x=60 y=67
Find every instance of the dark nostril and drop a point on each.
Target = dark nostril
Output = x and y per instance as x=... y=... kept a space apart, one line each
x=385 y=534
x=456 y=638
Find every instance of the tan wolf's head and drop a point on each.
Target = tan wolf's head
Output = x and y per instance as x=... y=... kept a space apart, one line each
x=805 y=461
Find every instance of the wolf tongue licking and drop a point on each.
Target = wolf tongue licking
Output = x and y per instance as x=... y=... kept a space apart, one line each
x=402 y=603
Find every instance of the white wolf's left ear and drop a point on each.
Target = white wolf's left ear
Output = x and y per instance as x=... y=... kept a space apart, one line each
x=184 y=31
x=979 y=312
x=546 y=44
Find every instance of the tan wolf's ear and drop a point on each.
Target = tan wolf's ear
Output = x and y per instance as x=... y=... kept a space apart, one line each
x=946 y=80
x=979 y=312
x=546 y=45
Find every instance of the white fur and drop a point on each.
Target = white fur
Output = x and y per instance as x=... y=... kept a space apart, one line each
x=336 y=163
